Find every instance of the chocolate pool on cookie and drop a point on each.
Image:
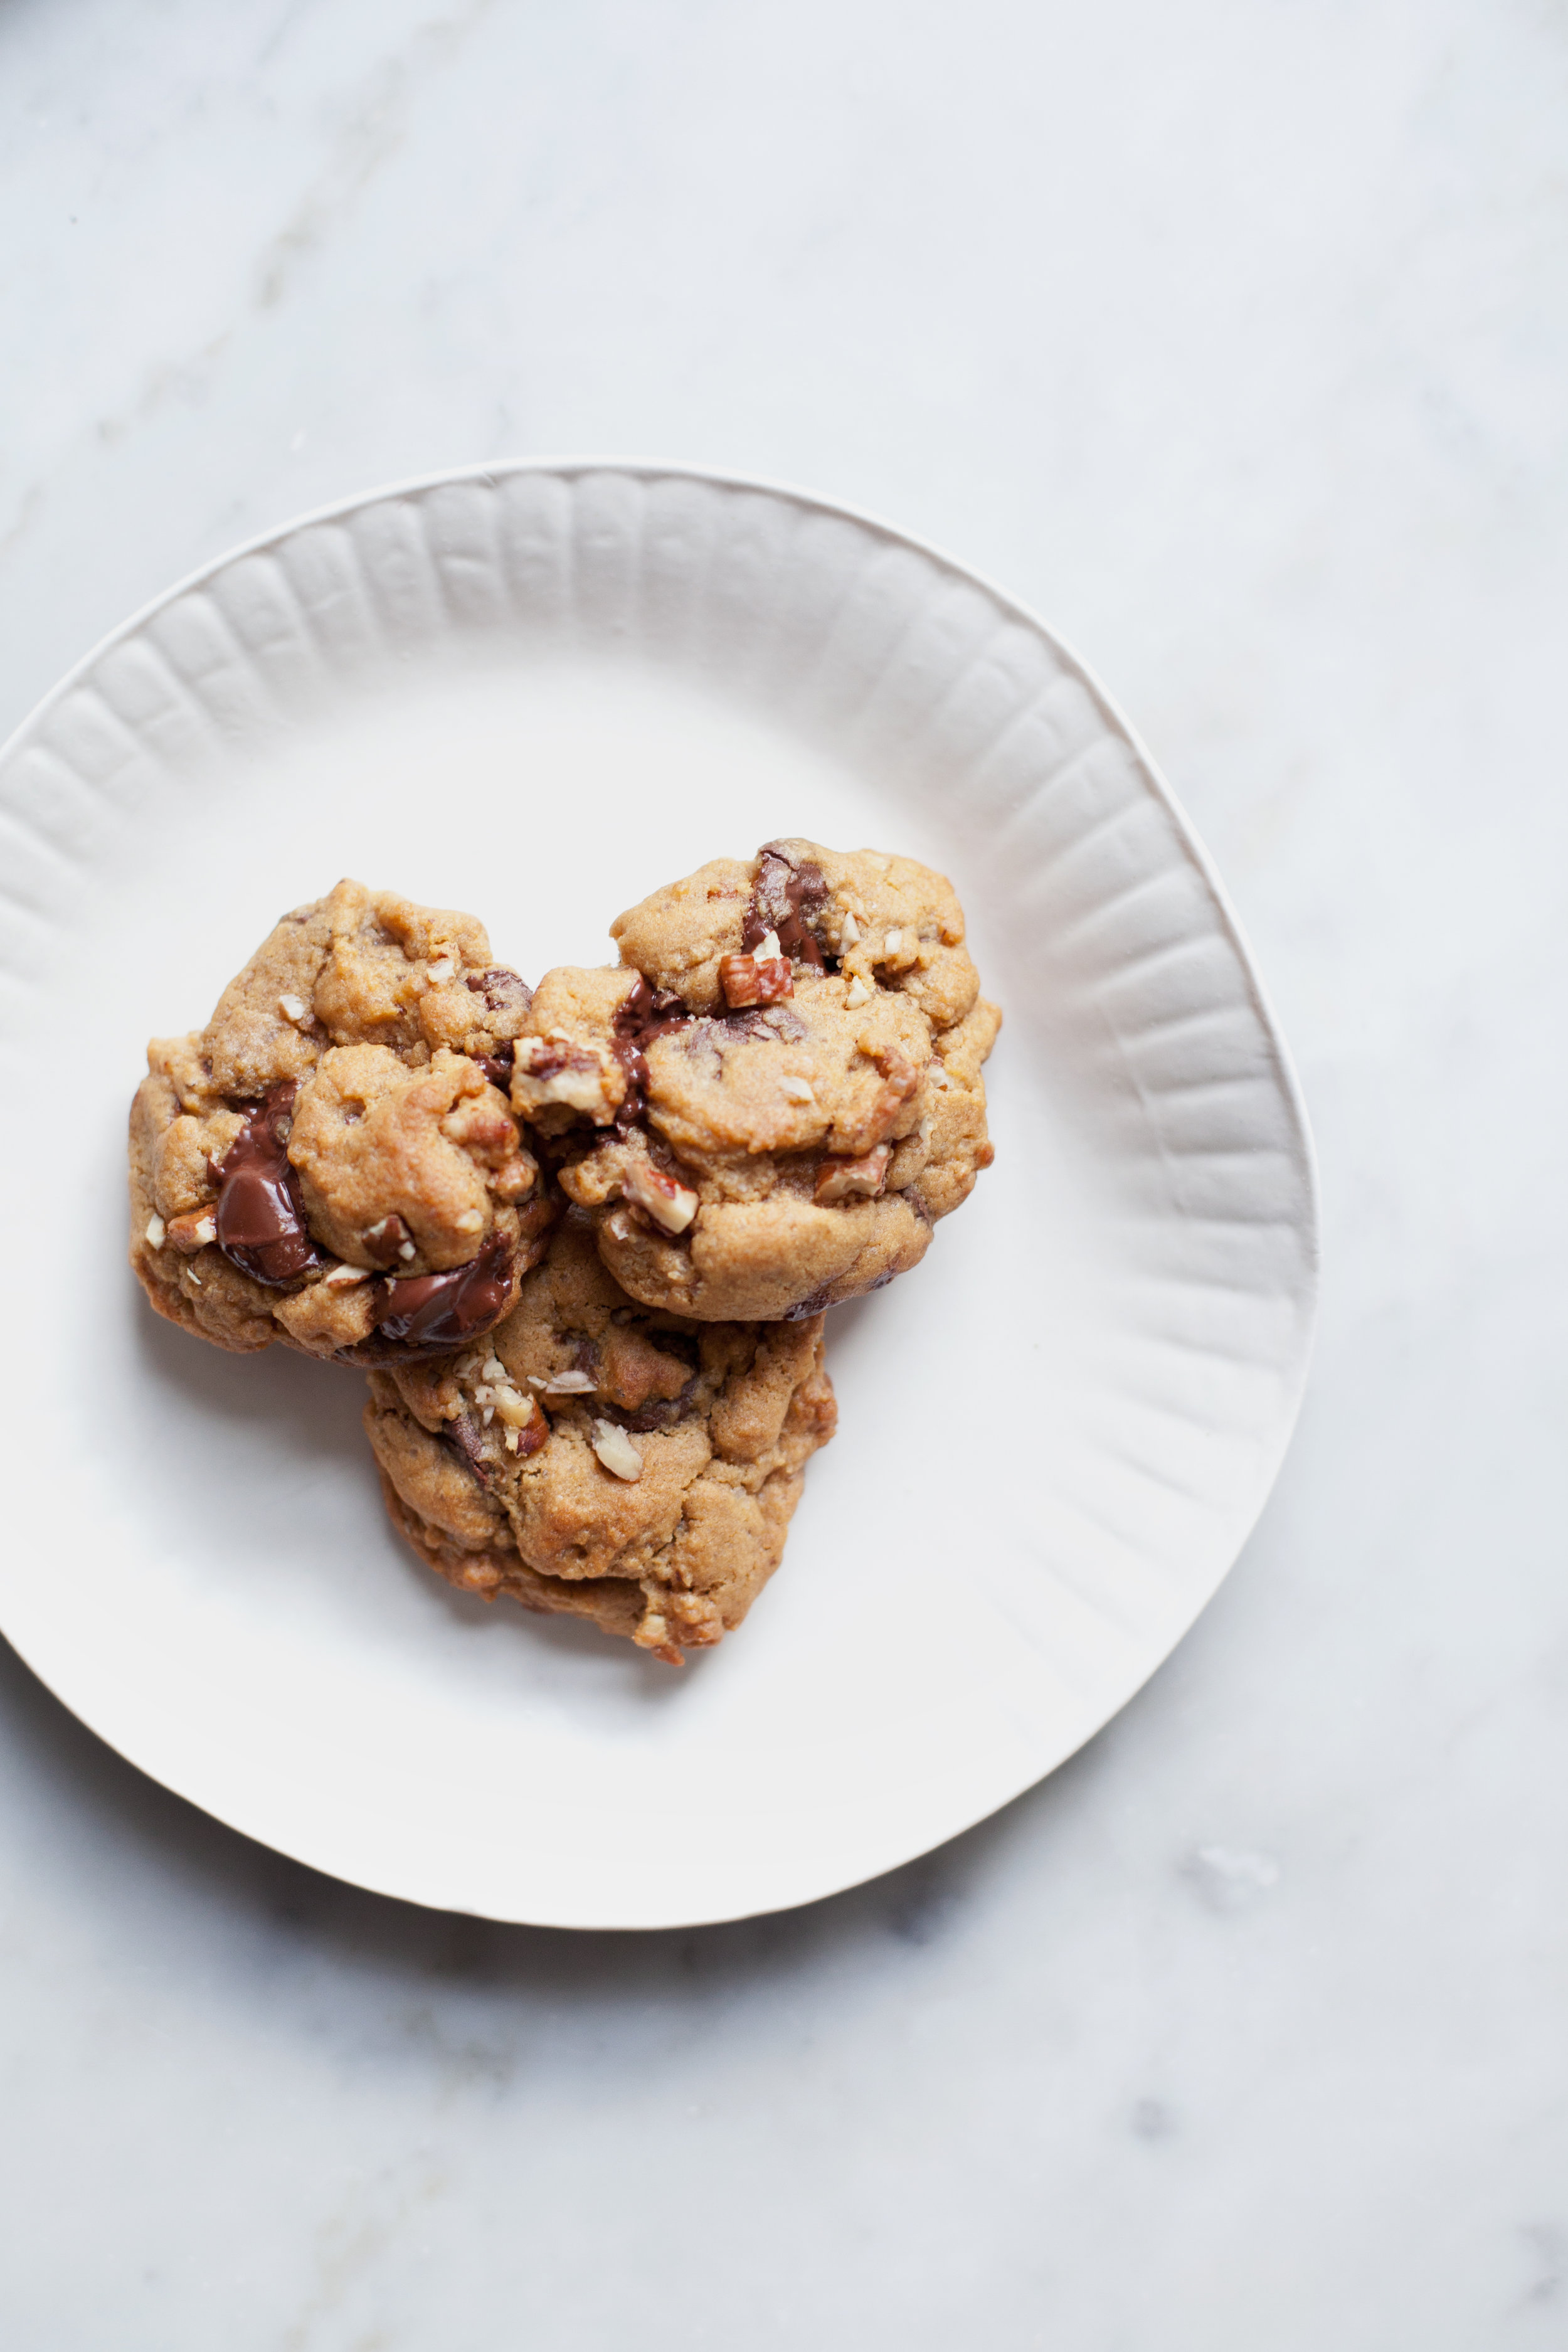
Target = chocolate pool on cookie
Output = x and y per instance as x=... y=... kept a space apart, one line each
x=769 y=1105
x=332 y=1161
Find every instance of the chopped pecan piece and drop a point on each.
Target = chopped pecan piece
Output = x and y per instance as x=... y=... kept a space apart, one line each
x=516 y=1177
x=838 y=1180
x=554 y=1070
x=388 y=1241
x=615 y=1451
x=900 y=1080
x=754 y=980
x=671 y=1205
x=194 y=1231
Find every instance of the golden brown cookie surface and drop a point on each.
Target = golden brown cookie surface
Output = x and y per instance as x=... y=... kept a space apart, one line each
x=769 y=1105
x=593 y=1458
x=330 y=1162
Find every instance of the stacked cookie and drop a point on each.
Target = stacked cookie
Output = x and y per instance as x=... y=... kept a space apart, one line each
x=580 y=1238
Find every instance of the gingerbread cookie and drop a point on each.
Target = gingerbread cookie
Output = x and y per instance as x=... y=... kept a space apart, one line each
x=592 y=1457
x=767 y=1108
x=332 y=1161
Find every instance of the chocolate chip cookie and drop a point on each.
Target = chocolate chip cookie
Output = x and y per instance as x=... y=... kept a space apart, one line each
x=596 y=1458
x=333 y=1160
x=769 y=1105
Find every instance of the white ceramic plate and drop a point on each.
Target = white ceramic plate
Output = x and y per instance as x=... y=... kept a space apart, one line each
x=537 y=692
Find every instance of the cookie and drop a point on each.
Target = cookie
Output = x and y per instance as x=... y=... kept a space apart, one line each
x=596 y=1459
x=769 y=1105
x=333 y=1160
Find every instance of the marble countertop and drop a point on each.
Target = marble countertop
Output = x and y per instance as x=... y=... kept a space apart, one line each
x=1233 y=339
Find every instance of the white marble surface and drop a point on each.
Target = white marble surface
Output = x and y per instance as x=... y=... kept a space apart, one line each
x=1233 y=337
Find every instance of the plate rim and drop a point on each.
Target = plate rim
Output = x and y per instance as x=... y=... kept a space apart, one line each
x=647 y=470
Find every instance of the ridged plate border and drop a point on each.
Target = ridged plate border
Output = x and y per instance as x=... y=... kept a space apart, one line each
x=1133 y=967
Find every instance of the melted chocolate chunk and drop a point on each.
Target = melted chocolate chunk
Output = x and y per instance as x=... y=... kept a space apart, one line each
x=662 y=1413
x=463 y=1437
x=784 y=896
x=261 y=1224
x=777 y=1024
x=814 y=1305
x=497 y=1066
x=645 y=1014
x=502 y=989
x=425 y=1314
x=820 y=1301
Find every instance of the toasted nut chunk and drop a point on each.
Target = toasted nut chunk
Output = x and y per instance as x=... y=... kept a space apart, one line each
x=194 y=1231
x=344 y=1277
x=837 y=1179
x=892 y=943
x=849 y=932
x=583 y=1078
x=571 y=1384
x=859 y=994
x=157 y=1233
x=441 y=970
x=515 y=1178
x=615 y=1451
x=796 y=1090
x=900 y=1080
x=754 y=980
x=387 y=1239
x=515 y=1409
x=669 y=1204
x=294 y=1009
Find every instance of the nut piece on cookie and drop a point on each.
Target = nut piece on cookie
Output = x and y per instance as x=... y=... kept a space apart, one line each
x=598 y=1459
x=771 y=1103
x=333 y=1161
